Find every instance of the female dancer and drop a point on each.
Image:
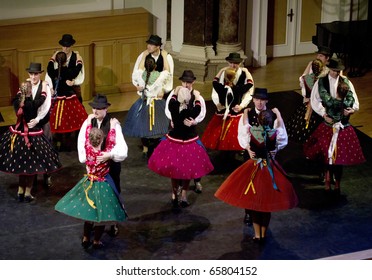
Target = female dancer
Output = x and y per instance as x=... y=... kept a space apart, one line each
x=146 y=118
x=24 y=149
x=222 y=131
x=94 y=198
x=181 y=156
x=335 y=142
x=304 y=122
x=259 y=185
x=67 y=113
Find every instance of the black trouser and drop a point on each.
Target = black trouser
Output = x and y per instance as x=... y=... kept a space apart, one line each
x=151 y=144
x=115 y=169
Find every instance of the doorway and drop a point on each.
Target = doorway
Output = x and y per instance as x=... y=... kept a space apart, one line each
x=291 y=25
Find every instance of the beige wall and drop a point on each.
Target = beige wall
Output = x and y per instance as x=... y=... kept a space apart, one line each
x=108 y=41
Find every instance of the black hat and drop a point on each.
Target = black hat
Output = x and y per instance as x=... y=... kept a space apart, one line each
x=260 y=93
x=187 y=76
x=154 y=40
x=325 y=50
x=335 y=65
x=234 y=58
x=34 y=68
x=99 y=102
x=67 y=40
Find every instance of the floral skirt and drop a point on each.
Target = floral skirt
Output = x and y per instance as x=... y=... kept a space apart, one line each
x=93 y=201
x=178 y=159
x=67 y=115
x=38 y=157
x=144 y=121
x=348 y=150
x=222 y=134
x=251 y=186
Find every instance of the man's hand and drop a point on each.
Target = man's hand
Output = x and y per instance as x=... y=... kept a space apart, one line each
x=70 y=82
x=273 y=153
x=348 y=111
x=104 y=157
x=328 y=119
x=220 y=107
x=251 y=153
x=189 y=122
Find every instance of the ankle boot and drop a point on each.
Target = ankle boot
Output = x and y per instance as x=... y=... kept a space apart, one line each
x=327 y=181
x=337 y=188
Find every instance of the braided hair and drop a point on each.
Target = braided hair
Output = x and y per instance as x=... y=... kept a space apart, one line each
x=61 y=59
x=150 y=66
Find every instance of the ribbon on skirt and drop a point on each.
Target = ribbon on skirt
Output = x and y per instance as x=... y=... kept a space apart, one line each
x=224 y=129
x=91 y=178
x=309 y=111
x=152 y=114
x=260 y=163
x=332 y=150
x=60 y=106
x=20 y=119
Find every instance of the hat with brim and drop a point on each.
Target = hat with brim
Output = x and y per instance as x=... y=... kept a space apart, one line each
x=34 y=68
x=260 y=93
x=325 y=51
x=335 y=65
x=67 y=40
x=234 y=58
x=99 y=102
x=187 y=76
x=154 y=40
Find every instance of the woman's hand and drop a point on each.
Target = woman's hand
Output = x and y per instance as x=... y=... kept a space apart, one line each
x=32 y=123
x=139 y=88
x=90 y=117
x=54 y=55
x=275 y=111
x=177 y=89
x=114 y=122
x=197 y=94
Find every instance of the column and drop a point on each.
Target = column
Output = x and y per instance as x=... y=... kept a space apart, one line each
x=198 y=36
x=228 y=28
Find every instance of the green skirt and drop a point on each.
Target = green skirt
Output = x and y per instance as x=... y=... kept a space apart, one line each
x=92 y=201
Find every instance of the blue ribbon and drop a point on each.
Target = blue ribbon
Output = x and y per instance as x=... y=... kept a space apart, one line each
x=268 y=156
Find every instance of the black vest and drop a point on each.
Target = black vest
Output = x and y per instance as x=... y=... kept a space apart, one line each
x=105 y=127
x=159 y=63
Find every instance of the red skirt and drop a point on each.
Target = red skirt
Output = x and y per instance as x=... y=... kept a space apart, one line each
x=348 y=150
x=250 y=186
x=178 y=159
x=67 y=115
x=222 y=135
